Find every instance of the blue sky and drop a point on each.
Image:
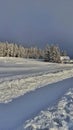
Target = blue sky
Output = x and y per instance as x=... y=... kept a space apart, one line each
x=37 y=22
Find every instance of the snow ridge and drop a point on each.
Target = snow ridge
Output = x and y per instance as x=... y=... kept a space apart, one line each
x=57 y=117
x=13 y=88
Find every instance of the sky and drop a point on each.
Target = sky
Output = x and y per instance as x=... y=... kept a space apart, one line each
x=37 y=22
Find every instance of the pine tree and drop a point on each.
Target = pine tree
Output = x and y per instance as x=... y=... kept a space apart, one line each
x=47 y=53
x=52 y=53
x=1 y=50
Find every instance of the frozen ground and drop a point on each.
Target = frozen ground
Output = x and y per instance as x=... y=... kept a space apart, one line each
x=57 y=117
x=19 y=76
x=42 y=85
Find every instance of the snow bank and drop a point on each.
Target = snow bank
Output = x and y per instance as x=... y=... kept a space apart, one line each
x=57 y=117
x=13 y=88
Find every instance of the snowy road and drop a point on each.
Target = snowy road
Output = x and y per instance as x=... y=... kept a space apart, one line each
x=13 y=114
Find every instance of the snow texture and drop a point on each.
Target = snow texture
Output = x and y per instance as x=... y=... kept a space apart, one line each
x=57 y=117
x=19 y=76
x=35 y=95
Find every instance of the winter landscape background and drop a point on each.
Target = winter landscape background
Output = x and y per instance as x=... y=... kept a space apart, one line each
x=36 y=65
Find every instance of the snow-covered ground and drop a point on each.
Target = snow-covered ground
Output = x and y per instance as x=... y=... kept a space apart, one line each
x=43 y=86
x=19 y=76
x=57 y=117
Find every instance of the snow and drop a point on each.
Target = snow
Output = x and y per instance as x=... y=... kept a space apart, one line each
x=19 y=76
x=35 y=95
x=10 y=89
x=15 y=113
x=57 y=117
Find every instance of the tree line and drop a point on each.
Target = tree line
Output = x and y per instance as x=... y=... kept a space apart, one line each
x=51 y=53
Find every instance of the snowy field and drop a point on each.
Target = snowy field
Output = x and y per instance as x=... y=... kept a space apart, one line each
x=35 y=95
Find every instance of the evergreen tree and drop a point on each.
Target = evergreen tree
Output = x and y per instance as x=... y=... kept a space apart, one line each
x=47 y=54
x=52 y=53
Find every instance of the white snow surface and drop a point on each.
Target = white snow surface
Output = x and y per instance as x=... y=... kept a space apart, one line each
x=57 y=117
x=35 y=95
x=19 y=76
